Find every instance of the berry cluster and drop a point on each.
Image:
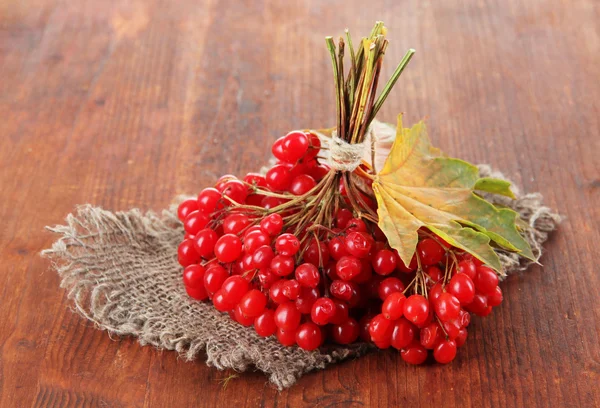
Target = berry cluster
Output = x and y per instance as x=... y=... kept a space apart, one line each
x=297 y=254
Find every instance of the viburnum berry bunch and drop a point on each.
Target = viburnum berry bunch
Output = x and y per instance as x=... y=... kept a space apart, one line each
x=323 y=248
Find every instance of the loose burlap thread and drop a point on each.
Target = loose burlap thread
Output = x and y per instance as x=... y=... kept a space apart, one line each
x=121 y=273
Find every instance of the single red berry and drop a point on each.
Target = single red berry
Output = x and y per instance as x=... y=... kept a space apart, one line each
x=235 y=223
x=222 y=180
x=306 y=299
x=356 y=225
x=186 y=207
x=302 y=184
x=384 y=262
x=406 y=269
x=403 y=334
x=416 y=309
x=241 y=318
x=267 y=278
x=308 y=275
x=265 y=323
x=272 y=224
x=486 y=280
x=256 y=179
x=319 y=171
x=236 y=191
x=430 y=251
x=234 y=287
x=464 y=318
x=204 y=242
x=479 y=305
x=452 y=328
x=197 y=293
x=286 y=337
x=271 y=202
x=393 y=306
x=254 y=240
x=314 y=146
x=337 y=248
x=214 y=277
x=195 y=221
x=262 y=257
x=435 y=292
x=366 y=272
x=342 y=311
x=287 y=316
x=462 y=287
x=445 y=351
x=447 y=307
x=220 y=303
x=253 y=303
x=430 y=335
x=389 y=286
x=434 y=273
x=316 y=253
x=358 y=244
x=287 y=244
x=208 y=200
x=461 y=338
x=186 y=253
x=342 y=290
x=277 y=148
x=228 y=248
x=295 y=145
x=414 y=353
x=342 y=217
x=279 y=177
x=276 y=292
x=323 y=310
x=381 y=329
x=468 y=268
x=193 y=276
x=496 y=297
x=291 y=289
x=346 y=332
x=282 y=265
x=348 y=267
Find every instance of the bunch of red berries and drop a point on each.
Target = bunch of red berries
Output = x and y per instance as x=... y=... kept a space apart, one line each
x=297 y=254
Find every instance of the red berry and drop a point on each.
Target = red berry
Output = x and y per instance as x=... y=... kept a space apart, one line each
x=468 y=268
x=464 y=318
x=302 y=184
x=393 y=306
x=286 y=337
x=342 y=290
x=234 y=287
x=208 y=200
x=287 y=316
x=337 y=248
x=462 y=287
x=193 y=276
x=186 y=207
x=272 y=224
x=282 y=265
x=254 y=240
x=416 y=309
x=316 y=253
x=348 y=267
x=306 y=299
x=366 y=272
x=445 y=351
x=452 y=328
x=287 y=244
x=430 y=252
x=279 y=177
x=323 y=310
x=479 y=305
x=356 y=224
x=403 y=334
x=381 y=329
x=435 y=292
x=461 y=338
x=241 y=318
x=384 y=262
x=295 y=145
x=222 y=180
x=195 y=221
x=415 y=353
x=308 y=275
x=214 y=277
x=486 y=280
x=271 y=202
x=265 y=323
x=406 y=269
x=186 y=253
x=346 y=332
x=495 y=298
x=389 y=286
x=204 y=242
x=220 y=303
x=434 y=273
x=291 y=289
x=196 y=293
x=357 y=244
x=276 y=292
x=235 y=223
x=255 y=179
x=314 y=144
x=309 y=336
x=228 y=248
x=430 y=335
x=277 y=148
x=236 y=191
x=319 y=171
x=341 y=312
x=262 y=257
x=267 y=278
x=447 y=307
x=253 y=303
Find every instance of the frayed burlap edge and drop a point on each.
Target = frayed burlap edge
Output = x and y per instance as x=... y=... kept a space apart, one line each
x=121 y=272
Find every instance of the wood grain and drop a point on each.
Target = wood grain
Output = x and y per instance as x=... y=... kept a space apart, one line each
x=127 y=103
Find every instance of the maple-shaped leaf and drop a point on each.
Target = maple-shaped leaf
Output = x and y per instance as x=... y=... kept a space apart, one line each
x=421 y=187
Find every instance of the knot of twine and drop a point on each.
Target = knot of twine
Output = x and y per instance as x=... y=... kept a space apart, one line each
x=344 y=156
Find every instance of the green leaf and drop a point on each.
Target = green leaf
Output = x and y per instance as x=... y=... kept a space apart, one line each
x=420 y=187
x=495 y=186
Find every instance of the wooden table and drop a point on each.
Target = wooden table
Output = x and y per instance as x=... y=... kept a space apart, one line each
x=128 y=103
